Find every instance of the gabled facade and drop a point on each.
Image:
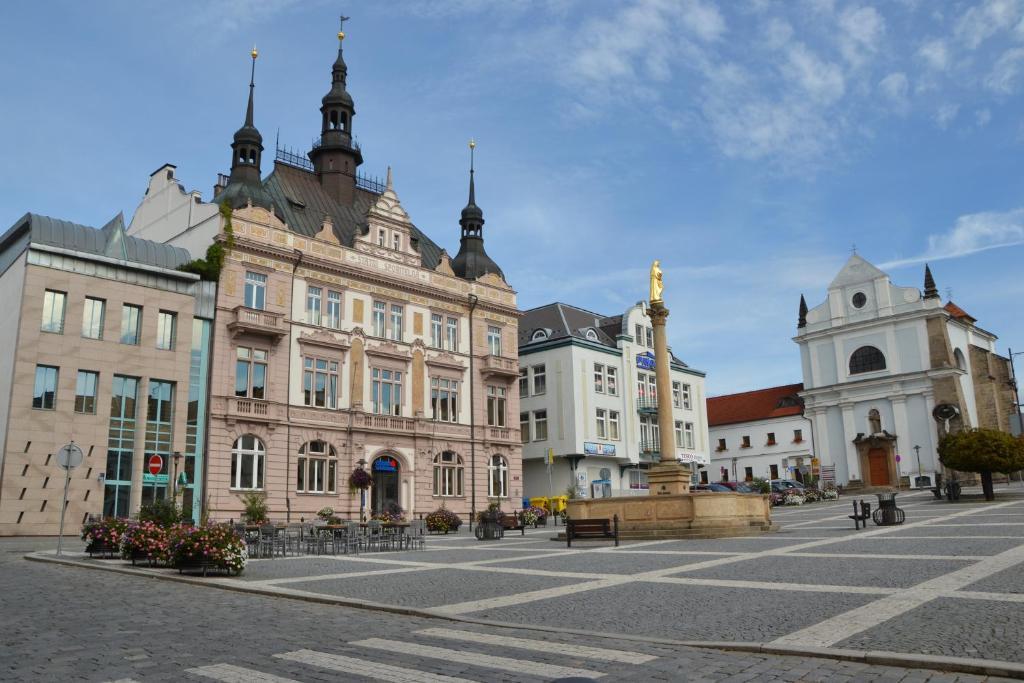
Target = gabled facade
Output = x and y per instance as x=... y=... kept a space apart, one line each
x=588 y=399
x=888 y=370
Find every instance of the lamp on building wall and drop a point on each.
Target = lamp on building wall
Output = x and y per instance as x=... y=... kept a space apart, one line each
x=176 y=459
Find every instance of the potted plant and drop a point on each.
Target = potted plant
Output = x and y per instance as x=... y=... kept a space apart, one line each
x=487 y=526
x=391 y=514
x=208 y=547
x=442 y=520
x=163 y=513
x=535 y=515
x=256 y=512
x=103 y=537
x=145 y=541
x=359 y=480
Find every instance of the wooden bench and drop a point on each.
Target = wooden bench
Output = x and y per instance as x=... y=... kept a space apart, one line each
x=512 y=522
x=591 y=528
x=861 y=517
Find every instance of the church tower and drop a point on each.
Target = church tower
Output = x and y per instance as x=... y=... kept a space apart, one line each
x=335 y=155
x=244 y=184
x=472 y=261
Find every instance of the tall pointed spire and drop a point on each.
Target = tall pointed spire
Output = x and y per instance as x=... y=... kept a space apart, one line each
x=245 y=185
x=472 y=260
x=802 y=320
x=930 y=290
x=252 y=88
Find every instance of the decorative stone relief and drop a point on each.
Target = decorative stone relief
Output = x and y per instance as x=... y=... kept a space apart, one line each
x=327 y=231
x=417 y=383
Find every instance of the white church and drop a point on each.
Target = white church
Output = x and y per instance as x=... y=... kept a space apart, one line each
x=887 y=370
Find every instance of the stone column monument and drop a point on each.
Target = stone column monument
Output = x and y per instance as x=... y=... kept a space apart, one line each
x=668 y=476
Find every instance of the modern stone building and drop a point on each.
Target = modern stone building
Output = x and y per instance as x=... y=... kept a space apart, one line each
x=105 y=344
x=588 y=398
x=761 y=433
x=888 y=370
x=345 y=337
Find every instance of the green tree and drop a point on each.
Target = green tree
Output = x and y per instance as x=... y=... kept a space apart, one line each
x=983 y=451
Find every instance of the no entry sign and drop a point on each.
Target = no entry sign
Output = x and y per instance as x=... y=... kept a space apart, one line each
x=156 y=464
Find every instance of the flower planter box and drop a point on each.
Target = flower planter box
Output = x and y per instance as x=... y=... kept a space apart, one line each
x=102 y=549
x=198 y=564
x=488 y=531
x=152 y=560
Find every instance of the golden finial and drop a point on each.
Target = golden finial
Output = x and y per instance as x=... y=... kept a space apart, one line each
x=341 y=35
x=341 y=30
x=472 y=143
x=255 y=53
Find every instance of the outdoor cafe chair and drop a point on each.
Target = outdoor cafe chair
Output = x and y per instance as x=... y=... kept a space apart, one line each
x=416 y=534
x=374 y=533
x=271 y=541
x=293 y=539
x=353 y=537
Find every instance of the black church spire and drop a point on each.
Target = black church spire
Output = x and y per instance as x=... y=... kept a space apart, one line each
x=472 y=260
x=244 y=184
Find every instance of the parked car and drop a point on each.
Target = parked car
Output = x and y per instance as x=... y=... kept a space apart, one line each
x=713 y=488
x=791 y=483
x=737 y=486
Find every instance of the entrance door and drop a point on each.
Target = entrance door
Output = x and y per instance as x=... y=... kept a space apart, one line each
x=384 y=492
x=878 y=467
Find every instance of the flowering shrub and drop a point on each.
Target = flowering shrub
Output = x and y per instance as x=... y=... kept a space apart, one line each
x=830 y=494
x=146 y=540
x=217 y=545
x=794 y=499
x=534 y=515
x=392 y=514
x=359 y=480
x=442 y=520
x=105 y=533
x=325 y=513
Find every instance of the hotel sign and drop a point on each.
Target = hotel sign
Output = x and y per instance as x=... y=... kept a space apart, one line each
x=645 y=360
x=591 y=448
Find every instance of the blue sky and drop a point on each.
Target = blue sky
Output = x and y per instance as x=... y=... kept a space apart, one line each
x=747 y=145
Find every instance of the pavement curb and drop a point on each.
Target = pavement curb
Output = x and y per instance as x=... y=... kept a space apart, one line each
x=966 y=665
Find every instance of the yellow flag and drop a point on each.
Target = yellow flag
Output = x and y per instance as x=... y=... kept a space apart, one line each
x=551 y=456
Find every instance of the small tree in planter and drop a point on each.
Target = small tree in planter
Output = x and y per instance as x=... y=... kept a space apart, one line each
x=162 y=512
x=984 y=451
x=255 y=508
x=104 y=536
x=146 y=541
x=442 y=520
x=487 y=526
x=205 y=547
x=328 y=516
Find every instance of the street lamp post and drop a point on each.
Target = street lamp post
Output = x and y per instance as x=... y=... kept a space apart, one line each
x=362 y=494
x=174 y=474
x=917 y=452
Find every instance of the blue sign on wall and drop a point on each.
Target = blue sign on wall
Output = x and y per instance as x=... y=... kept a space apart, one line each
x=591 y=448
x=385 y=465
x=645 y=360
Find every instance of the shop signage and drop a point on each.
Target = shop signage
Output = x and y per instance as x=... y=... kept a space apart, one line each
x=385 y=464
x=697 y=458
x=645 y=360
x=591 y=448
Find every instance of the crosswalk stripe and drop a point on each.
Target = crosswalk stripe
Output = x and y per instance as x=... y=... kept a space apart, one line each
x=229 y=673
x=602 y=654
x=477 y=659
x=375 y=670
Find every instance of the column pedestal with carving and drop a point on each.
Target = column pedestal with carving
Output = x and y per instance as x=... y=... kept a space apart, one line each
x=668 y=476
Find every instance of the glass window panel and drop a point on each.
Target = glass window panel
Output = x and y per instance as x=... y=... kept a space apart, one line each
x=92 y=318
x=53 y=311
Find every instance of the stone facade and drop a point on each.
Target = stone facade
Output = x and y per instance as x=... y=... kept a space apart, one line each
x=993 y=388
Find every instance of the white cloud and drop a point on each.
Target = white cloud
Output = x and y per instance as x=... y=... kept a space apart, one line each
x=946 y=114
x=894 y=87
x=981 y=22
x=970 y=234
x=982 y=117
x=935 y=54
x=1003 y=77
x=817 y=78
x=862 y=29
x=777 y=32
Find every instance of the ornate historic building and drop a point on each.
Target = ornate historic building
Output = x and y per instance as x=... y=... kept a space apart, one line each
x=345 y=338
x=888 y=370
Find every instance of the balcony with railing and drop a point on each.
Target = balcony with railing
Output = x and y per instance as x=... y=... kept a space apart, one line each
x=647 y=405
x=254 y=321
x=499 y=366
x=385 y=423
x=254 y=409
x=651 y=447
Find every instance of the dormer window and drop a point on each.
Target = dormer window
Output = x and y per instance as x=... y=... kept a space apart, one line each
x=539 y=335
x=591 y=335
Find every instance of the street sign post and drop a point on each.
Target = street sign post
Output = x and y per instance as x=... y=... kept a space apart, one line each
x=69 y=457
x=156 y=464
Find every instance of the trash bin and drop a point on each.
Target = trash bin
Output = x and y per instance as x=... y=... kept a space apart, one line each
x=526 y=502
x=559 y=503
x=540 y=502
x=887 y=513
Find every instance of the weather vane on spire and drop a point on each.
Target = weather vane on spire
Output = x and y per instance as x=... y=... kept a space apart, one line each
x=341 y=31
x=254 y=54
x=472 y=147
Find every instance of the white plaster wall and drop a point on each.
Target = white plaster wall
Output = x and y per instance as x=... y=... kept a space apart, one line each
x=760 y=455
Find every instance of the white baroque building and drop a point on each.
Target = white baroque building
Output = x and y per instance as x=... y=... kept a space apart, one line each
x=588 y=400
x=878 y=360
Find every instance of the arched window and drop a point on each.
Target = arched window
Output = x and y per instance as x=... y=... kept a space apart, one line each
x=343 y=121
x=448 y=474
x=961 y=362
x=539 y=335
x=248 y=462
x=874 y=422
x=591 y=334
x=334 y=120
x=866 y=359
x=317 y=468
x=497 y=482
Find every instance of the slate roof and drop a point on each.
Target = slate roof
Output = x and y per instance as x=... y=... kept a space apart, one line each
x=303 y=204
x=110 y=240
x=760 y=404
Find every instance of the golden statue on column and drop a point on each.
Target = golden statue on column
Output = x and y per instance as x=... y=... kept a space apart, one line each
x=657 y=286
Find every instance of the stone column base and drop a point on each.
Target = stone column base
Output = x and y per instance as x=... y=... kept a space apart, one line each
x=668 y=478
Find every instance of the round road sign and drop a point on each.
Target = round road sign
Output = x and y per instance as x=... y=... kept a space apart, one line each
x=69 y=456
x=156 y=464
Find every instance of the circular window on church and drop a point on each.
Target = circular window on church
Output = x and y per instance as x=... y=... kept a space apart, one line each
x=859 y=300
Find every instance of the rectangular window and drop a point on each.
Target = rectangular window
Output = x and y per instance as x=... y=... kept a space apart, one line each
x=396 y=322
x=447 y=474
x=495 y=406
x=452 y=329
x=771 y=439
x=313 y=303
x=131 y=323
x=524 y=427
x=611 y=381
x=650 y=337
x=382 y=238
x=251 y=373
x=746 y=442
x=602 y=423
x=748 y=474
x=638 y=335
x=92 y=318
x=334 y=310
x=524 y=382
x=317 y=468
x=436 y=322
x=159 y=436
x=540 y=425
x=396 y=241
x=255 y=290
x=798 y=435
x=773 y=471
x=53 y=311
x=494 y=340
x=379 y=316
x=638 y=480
x=703 y=476
x=677 y=395
x=120 y=446
x=44 y=395
x=721 y=445
x=613 y=425
x=686 y=397
x=85 y=392
x=387 y=392
x=444 y=399
x=320 y=382
x=679 y=434
x=166 y=329
x=598 y=378
x=688 y=441
x=540 y=381
x=247 y=463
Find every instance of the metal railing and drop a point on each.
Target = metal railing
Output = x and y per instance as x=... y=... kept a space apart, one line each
x=650 y=446
x=647 y=404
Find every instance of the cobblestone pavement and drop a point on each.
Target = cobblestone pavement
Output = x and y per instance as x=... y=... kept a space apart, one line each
x=946 y=583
